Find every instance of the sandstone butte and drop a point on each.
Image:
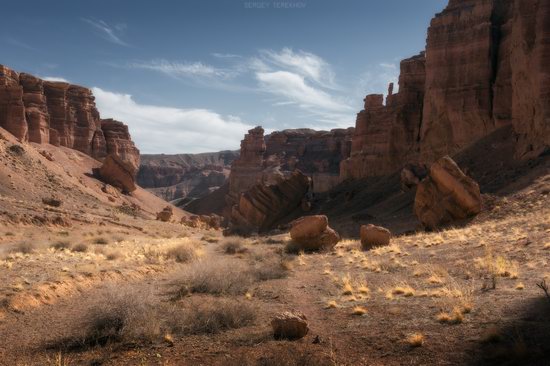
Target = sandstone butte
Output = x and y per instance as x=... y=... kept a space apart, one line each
x=62 y=114
x=486 y=66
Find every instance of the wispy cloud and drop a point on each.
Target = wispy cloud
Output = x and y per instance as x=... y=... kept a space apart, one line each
x=108 y=32
x=54 y=78
x=18 y=43
x=377 y=79
x=185 y=69
x=303 y=63
x=159 y=129
x=294 y=88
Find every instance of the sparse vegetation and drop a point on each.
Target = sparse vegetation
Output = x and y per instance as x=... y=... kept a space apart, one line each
x=101 y=241
x=233 y=246
x=416 y=340
x=80 y=248
x=24 y=248
x=61 y=245
x=183 y=253
x=212 y=315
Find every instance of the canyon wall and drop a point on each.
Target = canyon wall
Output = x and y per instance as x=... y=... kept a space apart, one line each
x=185 y=175
x=486 y=66
x=61 y=114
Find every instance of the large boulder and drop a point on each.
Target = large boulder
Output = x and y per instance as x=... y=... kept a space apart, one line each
x=117 y=173
x=446 y=195
x=374 y=236
x=290 y=325
x=312 y=233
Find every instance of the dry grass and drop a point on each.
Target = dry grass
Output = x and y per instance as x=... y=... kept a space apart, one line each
x=215 y=277
x=212 y=315
x=233 y=246
x=114 y=315
x=455 y=317
x=80 y=248
x=416 y=340
x=101 y=241
x=24 y=248
x=183 y=253
x=61 y=245
x=359 y=310
x=331 y=305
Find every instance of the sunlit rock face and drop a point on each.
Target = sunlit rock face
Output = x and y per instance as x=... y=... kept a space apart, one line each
x=485 y=66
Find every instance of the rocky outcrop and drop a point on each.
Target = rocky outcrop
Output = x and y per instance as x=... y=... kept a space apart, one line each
x=12 y=109
x=261 y=207
x=63 y=114
x=119 y=143
x=315 y=153
x=446 y=195
x=117 y=173
x=312 y=233
x=374 y=236
x=386 y=134
x=166 y=214
x=247 y=169
x=58 y=113
x=485 y=67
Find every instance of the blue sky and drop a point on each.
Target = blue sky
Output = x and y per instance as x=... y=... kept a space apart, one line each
x=192 y=76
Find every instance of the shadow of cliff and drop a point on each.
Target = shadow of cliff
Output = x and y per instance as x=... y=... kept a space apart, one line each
x=524 y=339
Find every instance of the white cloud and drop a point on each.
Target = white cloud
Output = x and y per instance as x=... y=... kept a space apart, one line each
x=303 y=63
x=293 y=88
x=157 y=129
x=55 y=78
x=108 y=32
x=178 y=69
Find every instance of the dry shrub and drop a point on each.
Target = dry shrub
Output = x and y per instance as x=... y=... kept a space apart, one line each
x=416 y=340
x=114 y=315
x=227 y=276
x=101 y=241
x=233 y=246
x=111 y=256
x=80 y=248
x=24 y=248
x=183 y=253
x=211 y=315
x=61 y=245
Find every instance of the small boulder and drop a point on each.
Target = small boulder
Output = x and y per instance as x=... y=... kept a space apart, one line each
x=290 y=325
x=312 y=233
x=166 y=214
x=374 y=236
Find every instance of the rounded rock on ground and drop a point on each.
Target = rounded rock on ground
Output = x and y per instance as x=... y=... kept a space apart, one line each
x=374 y=236
x=289 y=325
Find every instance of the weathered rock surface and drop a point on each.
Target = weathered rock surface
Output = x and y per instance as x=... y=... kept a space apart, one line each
x=118 y=173
x=289 y=325
x=212 y=221
x=486 y=66
x=446 y=195
x=261 y=207
x=374 y=236
x=61 y=114
x=312 y=233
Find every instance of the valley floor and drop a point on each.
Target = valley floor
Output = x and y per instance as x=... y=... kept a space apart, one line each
x=171 y=295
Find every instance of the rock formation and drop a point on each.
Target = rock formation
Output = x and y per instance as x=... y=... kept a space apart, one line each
x=63 y=114
x=485 y=67
x=289 y=325
x=117 y=173
x=446 y=195
x=374 y=236
x=312 y=233
x=185 y=176
x=261 y=207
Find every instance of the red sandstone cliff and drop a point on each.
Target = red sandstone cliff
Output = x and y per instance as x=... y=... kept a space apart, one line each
x=61 y=114
x=486 y=66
